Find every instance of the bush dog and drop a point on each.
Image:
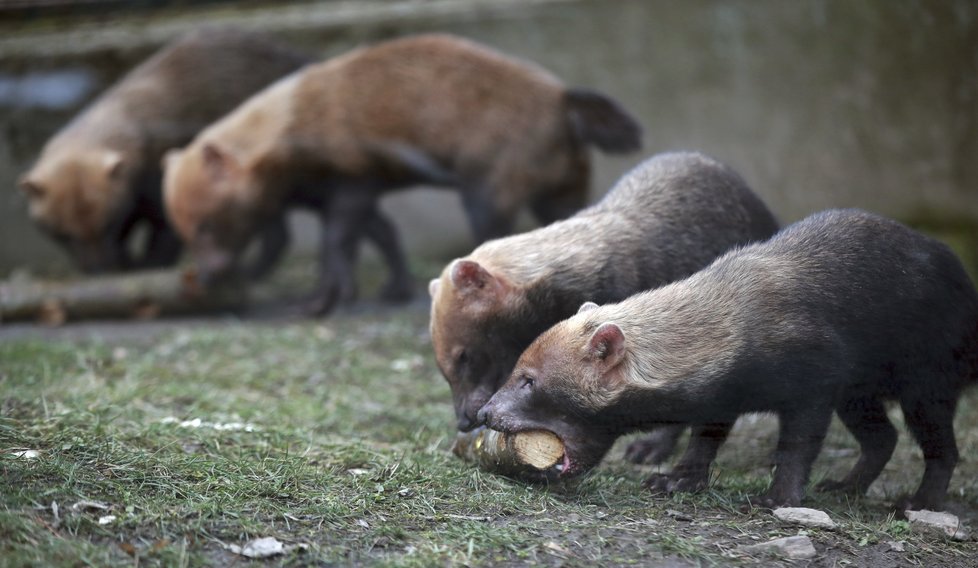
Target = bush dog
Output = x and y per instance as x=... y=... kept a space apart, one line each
x=432 y=109
x=99 y=177
x=664 y=220
x=839 y=311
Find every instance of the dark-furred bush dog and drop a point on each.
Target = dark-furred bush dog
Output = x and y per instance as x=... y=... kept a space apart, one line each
x=664 y=220
x=838 y=312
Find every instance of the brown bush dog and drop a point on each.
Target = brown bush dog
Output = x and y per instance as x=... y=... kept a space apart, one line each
x=664 y=220
x=839 y=311
x=99 y=177
x=431 y=109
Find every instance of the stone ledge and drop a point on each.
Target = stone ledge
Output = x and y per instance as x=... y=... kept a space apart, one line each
x=138 y=32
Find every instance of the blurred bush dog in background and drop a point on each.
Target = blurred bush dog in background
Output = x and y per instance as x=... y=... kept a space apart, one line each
x=99 y=178
x=839 y=311
x=432 y=109
x=667 y=218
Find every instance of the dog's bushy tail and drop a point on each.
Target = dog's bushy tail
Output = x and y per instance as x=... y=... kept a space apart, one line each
x=601 y=121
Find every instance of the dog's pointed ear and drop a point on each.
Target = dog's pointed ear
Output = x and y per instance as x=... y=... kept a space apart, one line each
x=607 y=345
x=218 y=162
x=605 y=350
x=113 y=163
x=470 y=275
x=170 y=158
x=30 y=188
x=586 y=307
x=478 y=285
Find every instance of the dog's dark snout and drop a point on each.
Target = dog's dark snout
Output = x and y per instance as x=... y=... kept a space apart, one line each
x=485 y=414
x=466 y=422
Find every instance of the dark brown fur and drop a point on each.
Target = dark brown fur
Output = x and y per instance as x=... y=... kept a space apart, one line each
x=434 y=109
x=100 y=176
x=840 y=311
x=666 y=219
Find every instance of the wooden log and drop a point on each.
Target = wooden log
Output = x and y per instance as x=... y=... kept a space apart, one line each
x=511 y=454
x=139 y=295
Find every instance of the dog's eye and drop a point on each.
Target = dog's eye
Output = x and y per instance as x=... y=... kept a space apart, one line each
x=527 y=382
x=462 y=358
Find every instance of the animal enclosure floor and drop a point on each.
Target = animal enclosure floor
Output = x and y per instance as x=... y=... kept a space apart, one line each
x=169 y=442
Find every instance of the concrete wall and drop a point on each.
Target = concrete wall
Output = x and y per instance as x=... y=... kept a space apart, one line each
x=820 y=103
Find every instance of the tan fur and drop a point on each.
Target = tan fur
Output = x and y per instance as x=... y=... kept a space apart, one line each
x=193 y=194
x=458 y=101
x=78 y=180
x=837 y=313
x=106 y=162
x=664 y=220
x=519 y=263
x=551 y=255
x=492 y=124
x=649 y=353
x=520 y=258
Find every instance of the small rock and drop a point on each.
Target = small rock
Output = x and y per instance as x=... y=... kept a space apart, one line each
x=84 y=504
x=324 y=333
x=678 y=515
x=106 y=520
x=556 y=549
x=804 y=516
x=264 y=548
x=26 y=454
x=944 y=524
x=895 y=545
x=791 y=547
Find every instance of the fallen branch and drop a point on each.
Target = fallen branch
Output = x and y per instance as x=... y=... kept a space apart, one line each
x=140 y=295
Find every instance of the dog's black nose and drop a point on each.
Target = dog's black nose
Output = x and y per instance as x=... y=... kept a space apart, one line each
x=465 y=422
x=485 y=414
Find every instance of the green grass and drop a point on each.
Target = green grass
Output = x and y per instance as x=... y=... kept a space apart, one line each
x=347 y=452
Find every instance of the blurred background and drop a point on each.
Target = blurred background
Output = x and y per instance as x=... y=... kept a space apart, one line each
x=818 y=103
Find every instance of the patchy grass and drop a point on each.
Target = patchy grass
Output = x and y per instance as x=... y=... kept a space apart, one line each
x=335 y=435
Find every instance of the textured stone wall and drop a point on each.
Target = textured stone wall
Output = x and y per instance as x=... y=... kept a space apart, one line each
x=819 y=104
